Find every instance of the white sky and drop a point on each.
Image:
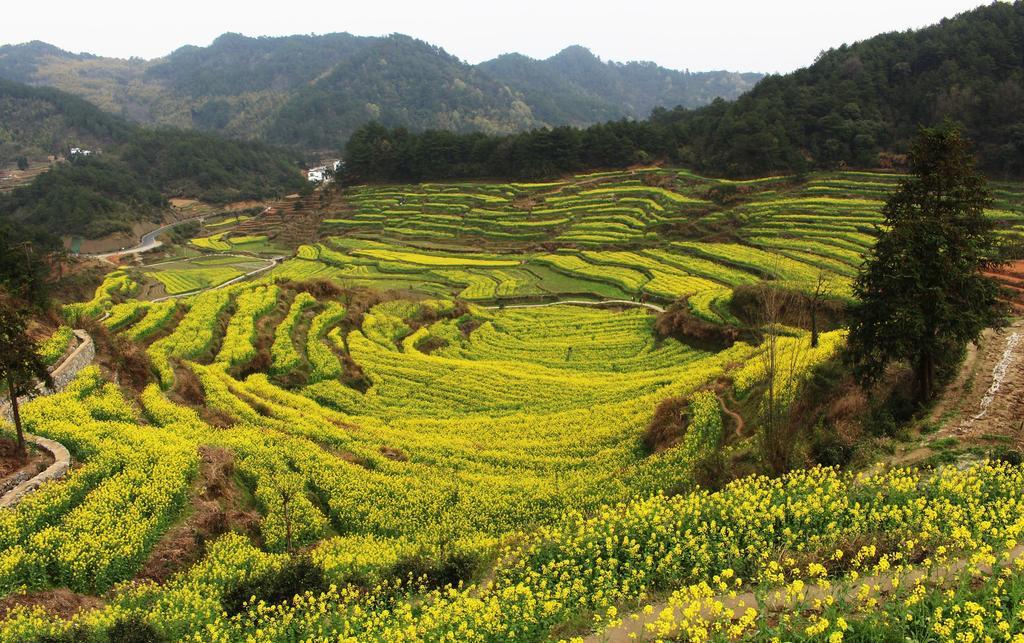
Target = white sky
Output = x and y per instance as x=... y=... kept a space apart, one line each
x=742 y=35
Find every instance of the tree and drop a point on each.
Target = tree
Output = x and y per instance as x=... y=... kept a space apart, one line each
x=822 y=289
x=921 y=295
x=25 y=262
x=783 y=363
x=20 y=364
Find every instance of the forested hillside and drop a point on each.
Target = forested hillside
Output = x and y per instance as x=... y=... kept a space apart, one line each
x=858 y=100
x=314 y=91
x=574 y=87
x=90 y=196
x=399 y=81
x=131 y=171
x=39 y=121
x=856 y=106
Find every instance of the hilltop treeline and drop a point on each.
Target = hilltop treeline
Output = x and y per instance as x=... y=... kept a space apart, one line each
x=852 y=105
x=377 y=153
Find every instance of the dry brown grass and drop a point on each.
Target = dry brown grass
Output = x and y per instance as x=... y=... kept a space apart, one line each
x=668 y=426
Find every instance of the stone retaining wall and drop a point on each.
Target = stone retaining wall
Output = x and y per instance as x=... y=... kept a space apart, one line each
x=62 y=375
x=56 y=471
x=76 y=361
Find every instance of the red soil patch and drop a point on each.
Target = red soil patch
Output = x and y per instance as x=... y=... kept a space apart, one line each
x=217 y=507
x=1011 y=276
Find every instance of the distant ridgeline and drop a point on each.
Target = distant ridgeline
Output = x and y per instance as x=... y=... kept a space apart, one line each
x=314 y=91
x=132 y=171
x=852 y=105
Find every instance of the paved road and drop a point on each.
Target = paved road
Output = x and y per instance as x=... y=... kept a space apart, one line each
x=148 y=241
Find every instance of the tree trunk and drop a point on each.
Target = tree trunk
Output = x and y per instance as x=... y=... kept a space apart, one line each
x=22 y=451
x=925 y=377
x=814 y=324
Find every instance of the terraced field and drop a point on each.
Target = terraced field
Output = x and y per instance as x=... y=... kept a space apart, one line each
x=458 y=468
x=648 y=233
x=187 y=276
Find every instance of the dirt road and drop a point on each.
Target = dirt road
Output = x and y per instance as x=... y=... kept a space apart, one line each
x=987 y=397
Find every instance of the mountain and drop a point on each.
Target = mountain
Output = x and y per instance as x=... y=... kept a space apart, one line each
x=399 y=81
x=575 y=87
x=132 y=170
x=857 y=105
x=314 y=91
x=234 y=64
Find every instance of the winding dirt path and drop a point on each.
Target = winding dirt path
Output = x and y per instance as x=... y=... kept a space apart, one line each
x=736 y=417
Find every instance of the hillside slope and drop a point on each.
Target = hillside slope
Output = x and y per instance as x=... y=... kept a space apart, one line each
x=43 y=121
x=131 y=171
x=858 y=100
x=399 y=81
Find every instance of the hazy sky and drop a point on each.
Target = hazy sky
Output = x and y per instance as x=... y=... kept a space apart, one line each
x=779 y=35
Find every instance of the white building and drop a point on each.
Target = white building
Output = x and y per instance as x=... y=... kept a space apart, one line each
x=77 y=151
x=324 y=173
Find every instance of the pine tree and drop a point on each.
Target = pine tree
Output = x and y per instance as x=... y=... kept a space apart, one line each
x=921 y=295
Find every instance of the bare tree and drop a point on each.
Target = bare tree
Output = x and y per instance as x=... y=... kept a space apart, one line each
x=822 y=290
x=784 y=361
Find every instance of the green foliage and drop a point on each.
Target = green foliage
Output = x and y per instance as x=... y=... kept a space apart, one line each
x=191 y=164
x=297 y=576
x=575 y=87
x=921 y=293
x=399 y=81
x=20 y=362
x=858 y=100
x=314 y=91
x=92 y=196
x=226 y=67
x=24 y=271
x=20 y=357
x=43 y=120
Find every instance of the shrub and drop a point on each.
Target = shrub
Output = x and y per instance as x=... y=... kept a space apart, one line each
x=132 y=629
x=668 y=425
x=297 y=576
